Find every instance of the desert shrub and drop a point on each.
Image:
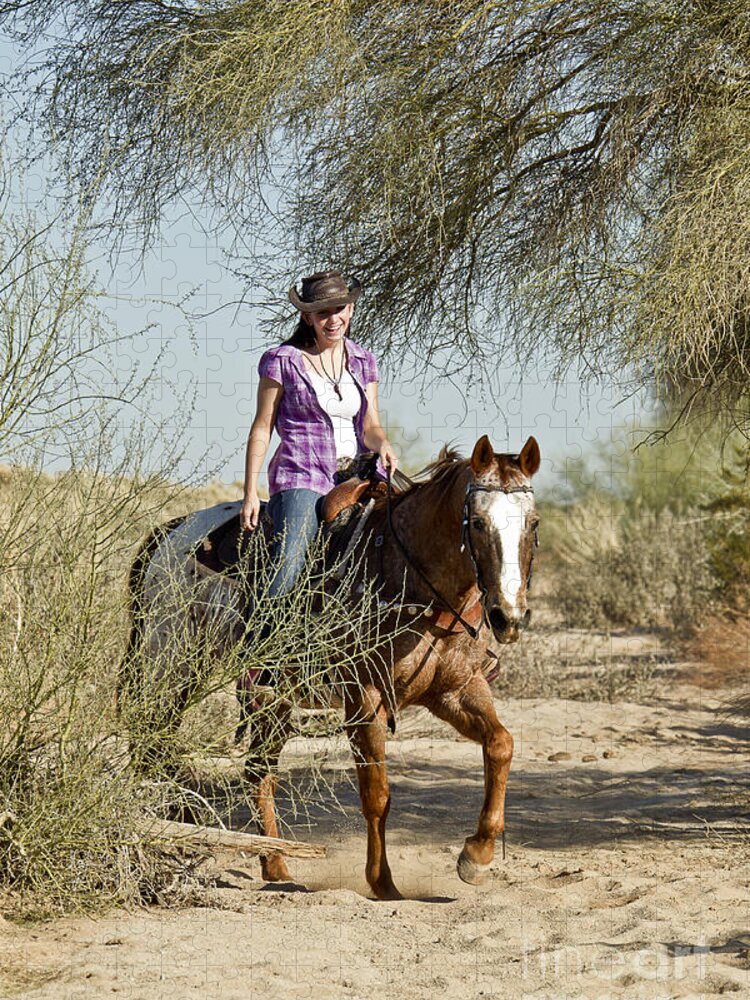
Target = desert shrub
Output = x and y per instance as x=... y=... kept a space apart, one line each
x=68 y=802
x=68 y=835
x=729 y=530
x=74 y=806
x=705 y=469
x=654 y=536
x=623 y=567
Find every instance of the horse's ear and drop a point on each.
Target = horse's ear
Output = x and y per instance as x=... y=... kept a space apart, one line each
x=530 y=458
x=483 y=457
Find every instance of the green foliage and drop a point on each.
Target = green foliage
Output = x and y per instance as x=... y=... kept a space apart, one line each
x=729 y=529
x=571 y=174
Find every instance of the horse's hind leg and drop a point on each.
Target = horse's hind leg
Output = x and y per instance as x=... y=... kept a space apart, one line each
x=472 y=713
x=269 y=730
x=153 y=709
x=366 y=724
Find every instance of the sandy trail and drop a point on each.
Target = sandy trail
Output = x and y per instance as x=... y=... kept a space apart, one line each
x=626 y=876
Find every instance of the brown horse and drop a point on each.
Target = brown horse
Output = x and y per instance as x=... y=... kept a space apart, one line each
x=458 y=547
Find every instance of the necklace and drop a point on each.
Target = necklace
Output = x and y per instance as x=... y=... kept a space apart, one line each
x=335 y=382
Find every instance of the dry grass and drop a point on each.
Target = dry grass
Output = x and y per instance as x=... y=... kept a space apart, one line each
x=552 y=662
x=616 y=566
x=72 y=799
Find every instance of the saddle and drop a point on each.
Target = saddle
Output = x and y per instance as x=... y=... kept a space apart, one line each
x=347 y=494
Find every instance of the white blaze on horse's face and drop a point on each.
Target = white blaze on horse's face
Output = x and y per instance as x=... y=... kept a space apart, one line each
x=511 y=515
x=504 y=513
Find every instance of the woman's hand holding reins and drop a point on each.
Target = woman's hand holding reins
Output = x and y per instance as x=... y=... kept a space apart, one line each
x=388 y=456
x=250 y=512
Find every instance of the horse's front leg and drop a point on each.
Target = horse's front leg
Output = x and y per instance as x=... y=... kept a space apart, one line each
x=472 y=713
x=366 y=721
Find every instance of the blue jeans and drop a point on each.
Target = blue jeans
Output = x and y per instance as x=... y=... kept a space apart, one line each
x=295 y=524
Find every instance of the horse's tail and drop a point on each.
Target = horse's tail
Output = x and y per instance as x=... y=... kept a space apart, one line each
x=129 y=674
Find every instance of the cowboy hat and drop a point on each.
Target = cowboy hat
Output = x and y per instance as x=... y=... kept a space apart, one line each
x=324 y=290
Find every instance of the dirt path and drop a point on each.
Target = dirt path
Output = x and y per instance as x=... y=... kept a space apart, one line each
x=626 y=876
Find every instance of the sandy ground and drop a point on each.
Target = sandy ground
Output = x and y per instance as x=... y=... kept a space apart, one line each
x=626 y=875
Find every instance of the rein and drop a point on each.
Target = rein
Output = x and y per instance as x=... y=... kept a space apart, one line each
x=465 y=536
x=473 y=632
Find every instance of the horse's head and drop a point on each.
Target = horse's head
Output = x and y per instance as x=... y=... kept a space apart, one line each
x=500 y=522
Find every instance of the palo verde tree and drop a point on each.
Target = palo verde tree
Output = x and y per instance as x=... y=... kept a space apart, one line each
x=567 y=176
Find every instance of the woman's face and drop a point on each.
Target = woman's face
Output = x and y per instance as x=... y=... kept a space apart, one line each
x=330 y=325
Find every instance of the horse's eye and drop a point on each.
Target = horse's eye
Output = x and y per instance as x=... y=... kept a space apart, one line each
x=478 y=523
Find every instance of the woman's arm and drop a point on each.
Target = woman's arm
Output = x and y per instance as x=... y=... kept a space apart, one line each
x=374 y=435
x=269 y=394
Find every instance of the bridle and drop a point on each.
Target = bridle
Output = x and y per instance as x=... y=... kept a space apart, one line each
x=471 y=488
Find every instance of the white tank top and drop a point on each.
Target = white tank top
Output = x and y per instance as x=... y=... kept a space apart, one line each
x=341 y=411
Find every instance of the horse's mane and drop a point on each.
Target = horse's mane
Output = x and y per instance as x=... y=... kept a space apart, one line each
x=442 y=471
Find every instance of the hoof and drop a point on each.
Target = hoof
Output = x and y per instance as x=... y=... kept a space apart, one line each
x=273 y=869
x=469 y=871
x=383 y=887
x=388 y=893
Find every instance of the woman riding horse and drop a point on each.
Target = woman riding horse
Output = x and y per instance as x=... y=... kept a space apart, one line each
x=319 y=391
x=454 y=551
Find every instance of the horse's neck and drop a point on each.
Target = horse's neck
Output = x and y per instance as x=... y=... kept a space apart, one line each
x=431 y=518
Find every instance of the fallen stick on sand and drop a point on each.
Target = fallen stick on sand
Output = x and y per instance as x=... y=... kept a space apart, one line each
x=211 y=836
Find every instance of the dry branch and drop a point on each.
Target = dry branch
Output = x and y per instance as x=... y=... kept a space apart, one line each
x=233 y=840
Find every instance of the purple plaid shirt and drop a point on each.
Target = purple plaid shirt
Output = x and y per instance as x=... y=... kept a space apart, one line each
x=306 y=457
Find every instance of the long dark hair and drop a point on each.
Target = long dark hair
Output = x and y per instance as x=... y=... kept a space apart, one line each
x=304 y=334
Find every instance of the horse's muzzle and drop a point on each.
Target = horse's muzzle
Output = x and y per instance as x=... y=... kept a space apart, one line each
x=507 y=628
